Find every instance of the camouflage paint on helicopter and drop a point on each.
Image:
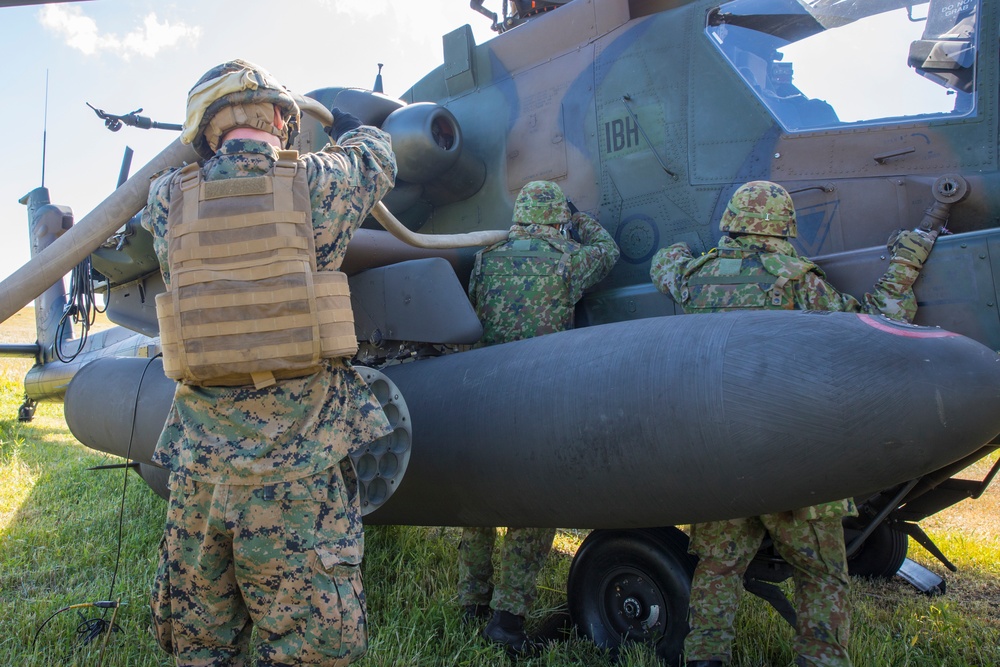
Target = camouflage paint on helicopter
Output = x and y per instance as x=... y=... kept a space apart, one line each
x=649 y=113
x=616 y=95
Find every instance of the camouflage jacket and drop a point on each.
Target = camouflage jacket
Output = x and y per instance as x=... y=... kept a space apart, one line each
x=765 y=272
x=528 y=285
x=298 y=427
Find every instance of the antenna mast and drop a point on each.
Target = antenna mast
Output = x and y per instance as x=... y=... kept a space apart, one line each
x=45 y=123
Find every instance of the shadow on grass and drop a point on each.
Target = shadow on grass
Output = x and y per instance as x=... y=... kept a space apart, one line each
x=60 y=546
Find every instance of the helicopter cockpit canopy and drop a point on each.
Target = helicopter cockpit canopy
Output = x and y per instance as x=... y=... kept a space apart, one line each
x=829 y=63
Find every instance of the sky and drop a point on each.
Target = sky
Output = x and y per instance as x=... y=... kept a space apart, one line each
x=870 y=76
x=120 y=55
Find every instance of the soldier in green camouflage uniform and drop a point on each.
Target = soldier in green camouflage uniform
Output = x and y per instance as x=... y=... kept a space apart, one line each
x=264 y=524
x=756 y=267
x=524 y=287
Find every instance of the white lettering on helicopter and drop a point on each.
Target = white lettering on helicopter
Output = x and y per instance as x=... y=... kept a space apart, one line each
x=957 y=8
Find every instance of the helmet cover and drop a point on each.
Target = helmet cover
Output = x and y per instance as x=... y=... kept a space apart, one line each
x=236 y=83
x=760 y=207
x=541 y=203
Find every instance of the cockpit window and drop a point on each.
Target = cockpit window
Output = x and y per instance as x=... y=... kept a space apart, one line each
x=819 y=64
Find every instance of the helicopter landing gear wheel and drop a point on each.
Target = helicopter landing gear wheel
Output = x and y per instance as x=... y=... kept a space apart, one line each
x=26 y=412
x=881 y=555
x=632 y=585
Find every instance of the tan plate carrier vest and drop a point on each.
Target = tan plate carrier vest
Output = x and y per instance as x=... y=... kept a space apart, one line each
x=246 y=305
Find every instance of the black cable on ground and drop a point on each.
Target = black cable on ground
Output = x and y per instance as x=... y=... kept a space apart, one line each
x=93 y=628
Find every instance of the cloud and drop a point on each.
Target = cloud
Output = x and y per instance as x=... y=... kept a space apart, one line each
x=81 y=33
x=366 y=10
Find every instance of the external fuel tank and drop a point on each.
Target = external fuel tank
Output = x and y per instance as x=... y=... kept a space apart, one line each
x=655 y=422
x=673 y=420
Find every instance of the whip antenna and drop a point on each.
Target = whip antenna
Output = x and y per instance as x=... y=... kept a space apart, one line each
x=45 y=123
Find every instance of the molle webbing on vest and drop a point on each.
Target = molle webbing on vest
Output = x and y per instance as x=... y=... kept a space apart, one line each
x=764 y=279
x=246 y=304
x=506 y=264
x=732 y=281
x=529 y=291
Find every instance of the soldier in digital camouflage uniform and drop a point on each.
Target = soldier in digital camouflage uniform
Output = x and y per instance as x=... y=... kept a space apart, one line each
x=756 y=267
x=264 y=525
x=524 y=287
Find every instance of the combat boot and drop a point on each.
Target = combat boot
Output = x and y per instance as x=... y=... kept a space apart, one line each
x=507 y=630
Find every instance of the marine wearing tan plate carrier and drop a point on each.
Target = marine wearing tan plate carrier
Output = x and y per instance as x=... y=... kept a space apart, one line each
x=246 y=304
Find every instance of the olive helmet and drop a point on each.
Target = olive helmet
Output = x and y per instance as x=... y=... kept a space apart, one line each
x=541 y=203
x=760 y=207
x=235 y=94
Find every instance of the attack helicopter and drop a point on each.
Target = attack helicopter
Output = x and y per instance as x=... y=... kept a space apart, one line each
x=649 y=114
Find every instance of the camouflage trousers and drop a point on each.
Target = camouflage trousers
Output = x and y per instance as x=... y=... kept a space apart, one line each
x=814 y=549
x=284 y=557
x=521 y=558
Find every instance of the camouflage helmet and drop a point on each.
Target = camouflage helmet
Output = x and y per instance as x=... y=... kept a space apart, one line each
x=760 y=207
x=235 y=94
x=541 y=203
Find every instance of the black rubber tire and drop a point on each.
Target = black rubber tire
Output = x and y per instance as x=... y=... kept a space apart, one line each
x=881 y=555
x=632 y=585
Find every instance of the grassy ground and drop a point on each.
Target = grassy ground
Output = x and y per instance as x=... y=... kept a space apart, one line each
x=59 y=546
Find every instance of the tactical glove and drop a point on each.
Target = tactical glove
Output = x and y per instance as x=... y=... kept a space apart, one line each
x=342 y=122
x=910 y=247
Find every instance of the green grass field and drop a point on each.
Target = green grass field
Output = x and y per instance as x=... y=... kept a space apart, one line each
x=71 y=536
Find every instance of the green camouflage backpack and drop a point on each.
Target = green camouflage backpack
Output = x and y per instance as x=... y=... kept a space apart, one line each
x=524 y=289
